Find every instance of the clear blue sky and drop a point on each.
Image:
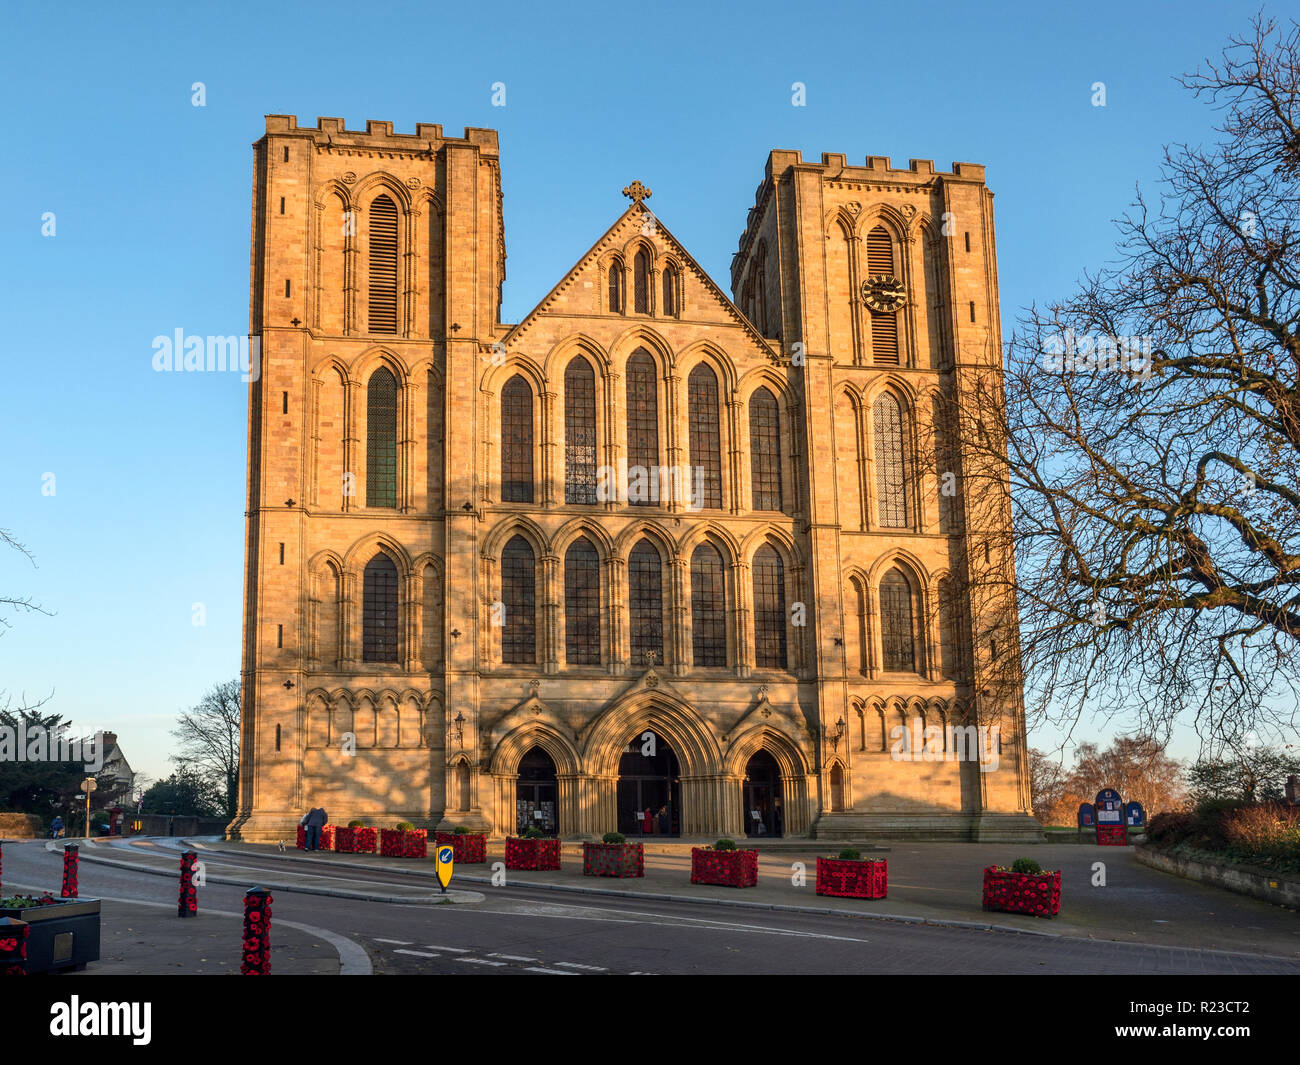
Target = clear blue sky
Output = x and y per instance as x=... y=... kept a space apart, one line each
x=151 y=198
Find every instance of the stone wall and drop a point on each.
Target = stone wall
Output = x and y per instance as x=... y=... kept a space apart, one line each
x=21 y=826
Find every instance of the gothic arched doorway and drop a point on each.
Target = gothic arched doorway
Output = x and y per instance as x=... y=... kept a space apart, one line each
x=535 y=794
x=649 y=788
x=764 y=812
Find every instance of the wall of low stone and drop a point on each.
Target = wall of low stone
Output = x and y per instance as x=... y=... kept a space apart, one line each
x=21 y=826
x=1271 y=887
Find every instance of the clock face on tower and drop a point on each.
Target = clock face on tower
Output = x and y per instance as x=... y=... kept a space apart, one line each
x=883 y=292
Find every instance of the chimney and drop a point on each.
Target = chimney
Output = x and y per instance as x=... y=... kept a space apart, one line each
x=110 y=740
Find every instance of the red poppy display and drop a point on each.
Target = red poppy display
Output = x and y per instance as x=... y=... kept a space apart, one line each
x=257 y=934
x=468 y=848
x=853 y=878
x=613 y=859
x=13 y=947
x=738 y=868
x=1037 y=894
x=404 y=843
x=188 y=903
x=1112 y=835
x=532 y=853
x=70 y=853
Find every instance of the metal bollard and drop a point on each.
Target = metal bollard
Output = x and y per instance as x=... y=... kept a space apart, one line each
x=71 y=853
x=188 y=904
x=257 y=933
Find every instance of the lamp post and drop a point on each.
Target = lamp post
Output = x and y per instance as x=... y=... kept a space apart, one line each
x=459 y=722
x=88 y=785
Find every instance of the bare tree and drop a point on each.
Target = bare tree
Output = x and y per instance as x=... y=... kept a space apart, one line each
x=1145 y=434
x=208 y=736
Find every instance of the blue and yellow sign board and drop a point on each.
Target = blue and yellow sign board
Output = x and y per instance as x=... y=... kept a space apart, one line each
x=443 y=863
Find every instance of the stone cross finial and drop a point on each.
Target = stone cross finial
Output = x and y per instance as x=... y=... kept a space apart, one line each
x=636 y=192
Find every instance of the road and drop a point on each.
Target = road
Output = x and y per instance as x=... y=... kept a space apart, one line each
x=527 y=931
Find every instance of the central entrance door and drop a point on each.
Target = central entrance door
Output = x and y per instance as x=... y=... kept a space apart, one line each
x=649 y=788
x=764 y=814
x=535 y=794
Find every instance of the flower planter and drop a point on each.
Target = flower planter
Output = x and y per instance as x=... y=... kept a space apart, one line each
x=404 y=843
x=1037 y=894
x=738 y=868
x=613 y=859
x=467 y=848
x=532 y=853
x=327 y=837
x=63 y=934
x=354 y=840
x=853 y=878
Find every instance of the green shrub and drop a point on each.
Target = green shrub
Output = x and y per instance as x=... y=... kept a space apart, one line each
x=460 y=830
x=1026 y=865
x=404 y=826
x=613 y=837
x=725 y=845
x=850 y=854
x=356 y=824
x=533 y=833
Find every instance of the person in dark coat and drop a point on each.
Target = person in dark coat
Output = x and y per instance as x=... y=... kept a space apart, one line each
x=665 y=822
x=316 y=820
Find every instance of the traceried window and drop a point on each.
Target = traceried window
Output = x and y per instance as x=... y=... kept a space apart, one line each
x=519 y=602
x=642 y=427
x=884 y=324
x=641 y=282
x=706 y=438
x=896 y=634
x=765 y=450
x=516 y=441
x=581 y=604
x=379 y=610
x=769 y=609
x=381 y=439
x=383 y=266
x=672 y=305
x=646 y=601
x=708 y=607
x=579 y=432
x=891 y=462
x=615 y=287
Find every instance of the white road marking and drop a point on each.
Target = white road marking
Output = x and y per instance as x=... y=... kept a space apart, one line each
x=450 y=950
x=579 y=965
x=417 y=953
x=482 y=961
x=399 y=942
x=552 y=972
x=511 y=957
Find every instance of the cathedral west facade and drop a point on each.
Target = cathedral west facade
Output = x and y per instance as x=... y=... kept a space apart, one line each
x=652 y=558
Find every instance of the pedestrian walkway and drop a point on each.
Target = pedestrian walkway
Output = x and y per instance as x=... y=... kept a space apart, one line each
x=1105 y=893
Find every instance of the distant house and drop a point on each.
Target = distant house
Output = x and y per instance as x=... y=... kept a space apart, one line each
x=116 y=779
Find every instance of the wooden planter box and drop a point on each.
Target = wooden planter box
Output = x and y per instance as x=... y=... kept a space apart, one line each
x=738 y=868
x=467 y=848
x=613 y=859
x=853 y=878
x=63 y=935
x=532 y=853
x=354 y=840
x=1037 y=894
x=404 y=843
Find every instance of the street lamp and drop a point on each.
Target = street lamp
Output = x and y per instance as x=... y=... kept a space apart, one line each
x=459 y=722
x=837 y=734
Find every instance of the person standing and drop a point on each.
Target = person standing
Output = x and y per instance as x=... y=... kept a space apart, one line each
x=315 y=822
x=665 y=821
x=56 y=827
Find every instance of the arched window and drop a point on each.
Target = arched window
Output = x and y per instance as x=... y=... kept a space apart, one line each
x=516 y=441
x=706 y=439
x=581 y=604
x=379 y=610
x=891 y=462
x=519 y=601
x=765 y=450
x=615 y=286
x=641 y=282
x=884 y=324
x=579 y=432
x=383 y=266
x=769 y=609
x=646 y=601
x=381 y=439
x=671 y=306
x=898 y=645
x=642 y=427
x=708 y=607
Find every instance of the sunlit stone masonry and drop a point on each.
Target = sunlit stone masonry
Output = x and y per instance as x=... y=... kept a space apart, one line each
x=646 y=560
